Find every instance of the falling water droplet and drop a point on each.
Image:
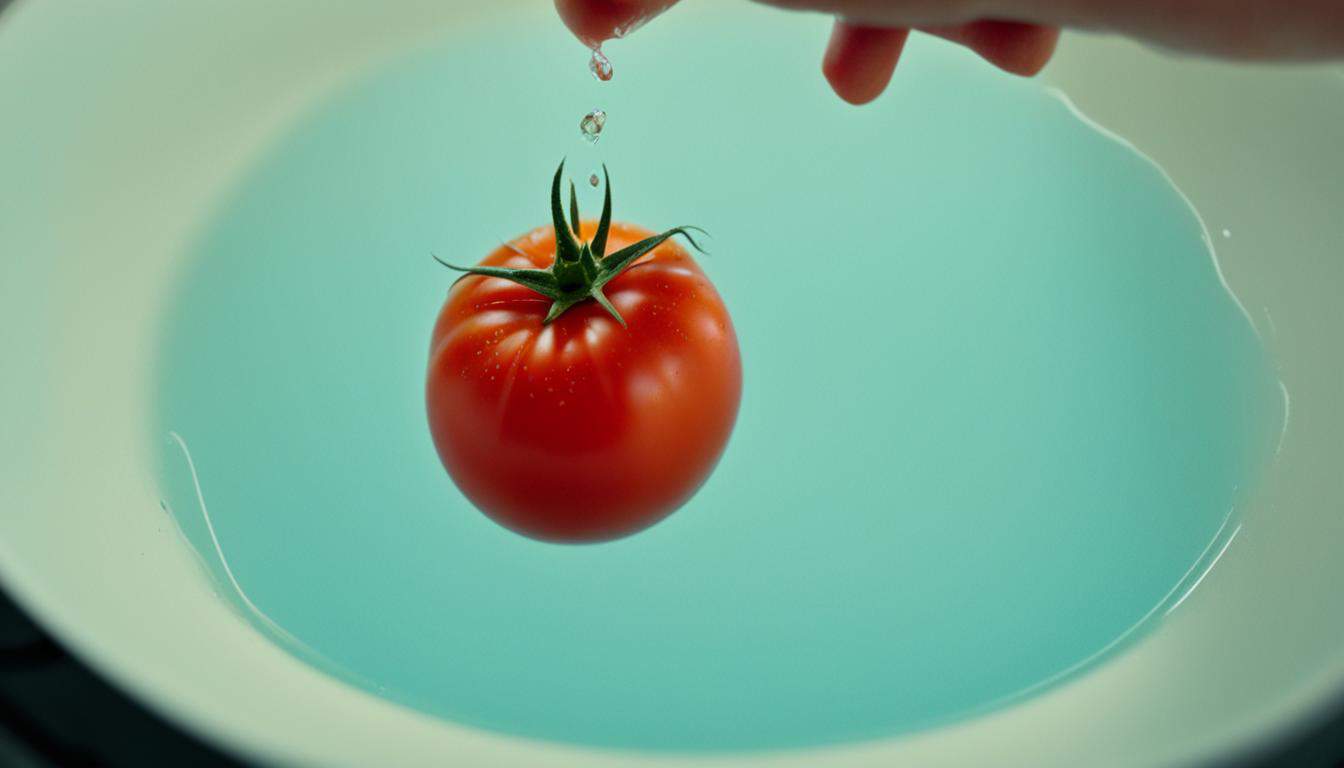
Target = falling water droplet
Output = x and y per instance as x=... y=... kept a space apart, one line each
x=600 y=65
x=593 y=181
x=592 y=124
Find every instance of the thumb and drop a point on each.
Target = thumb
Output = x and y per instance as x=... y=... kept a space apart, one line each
x=593 y=21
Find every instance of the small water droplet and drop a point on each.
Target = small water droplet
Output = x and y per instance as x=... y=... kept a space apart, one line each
x=1227 y=233
x=592 y=124
x=600 y=65
x=593 y=180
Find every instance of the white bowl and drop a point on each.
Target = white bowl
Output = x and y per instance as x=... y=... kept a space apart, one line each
x=122 y=120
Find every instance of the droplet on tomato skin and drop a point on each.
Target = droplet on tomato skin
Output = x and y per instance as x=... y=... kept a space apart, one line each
x=600 y=65
x=592 y=124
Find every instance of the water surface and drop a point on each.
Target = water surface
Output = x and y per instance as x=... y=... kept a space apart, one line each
x=999 y=409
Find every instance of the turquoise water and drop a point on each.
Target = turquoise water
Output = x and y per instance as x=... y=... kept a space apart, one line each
x=998 y=407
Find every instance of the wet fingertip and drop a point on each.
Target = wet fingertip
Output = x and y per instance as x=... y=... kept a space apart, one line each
x=860 y=60
x=1019 y=49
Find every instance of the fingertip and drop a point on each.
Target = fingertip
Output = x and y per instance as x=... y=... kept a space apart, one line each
x=1030 y=48
x=594 y=21
x=860 y=60
x=586 y=26
x=1015 y=47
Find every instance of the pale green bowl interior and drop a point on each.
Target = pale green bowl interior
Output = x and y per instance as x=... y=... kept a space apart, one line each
x=123 y=122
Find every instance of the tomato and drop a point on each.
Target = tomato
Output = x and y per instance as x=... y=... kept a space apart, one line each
x=571 y=414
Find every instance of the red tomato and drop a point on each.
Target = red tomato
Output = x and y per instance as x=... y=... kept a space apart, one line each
x=579 y=429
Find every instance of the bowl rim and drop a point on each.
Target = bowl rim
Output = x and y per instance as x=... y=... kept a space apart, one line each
x=1277 y=725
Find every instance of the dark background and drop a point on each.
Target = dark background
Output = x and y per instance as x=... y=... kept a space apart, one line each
x=54 y=711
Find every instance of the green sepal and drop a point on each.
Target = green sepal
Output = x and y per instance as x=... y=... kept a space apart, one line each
x=617 y=262
x=559 y=306
x=579 y=272
x=604 y=224
x=575 y=223
x=601 y=298
x=539 y=280
x=565 y=247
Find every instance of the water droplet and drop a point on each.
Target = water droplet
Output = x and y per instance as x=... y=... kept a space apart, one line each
x=1227 y=233
x=592 y=124
x=593 y=180
x=600 y=65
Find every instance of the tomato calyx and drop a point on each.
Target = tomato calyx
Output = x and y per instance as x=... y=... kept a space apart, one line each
x=581 y=269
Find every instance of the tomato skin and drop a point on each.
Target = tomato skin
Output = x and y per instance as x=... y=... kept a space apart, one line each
x=580 y=430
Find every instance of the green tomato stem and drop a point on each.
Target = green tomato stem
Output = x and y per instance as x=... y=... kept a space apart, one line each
x=580 y=270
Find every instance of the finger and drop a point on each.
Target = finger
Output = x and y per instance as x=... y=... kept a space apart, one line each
x=1271 y=29
x=1022 y=49
x=859 y=60
x=593 y=21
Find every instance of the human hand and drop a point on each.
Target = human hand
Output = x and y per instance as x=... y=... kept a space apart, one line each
x=1018 y=36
